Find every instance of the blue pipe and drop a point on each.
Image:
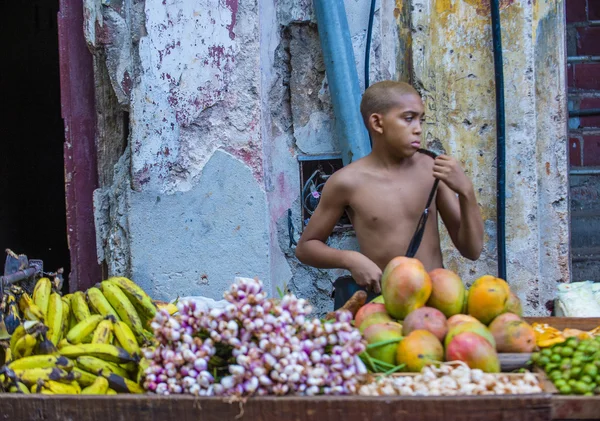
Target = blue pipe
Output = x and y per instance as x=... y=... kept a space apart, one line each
x=500 y=140
x=342 y=78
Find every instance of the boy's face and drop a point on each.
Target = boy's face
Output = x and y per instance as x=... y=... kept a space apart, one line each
x=401 y=126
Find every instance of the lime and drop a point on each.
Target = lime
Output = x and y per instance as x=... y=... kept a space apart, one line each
x=581 y=388
x=546 y=352
x=560 y=383
x=566 y=374
x=578 y=354
x=588 y=394
x=557 y=349
x=590 y=369
x=572 y=342
x=535 y=357
x=576 y=372
x=543 y=361
x=555 y=375
x=551 y=366
x=576 y=362
x=555 y=358
x=586 y=379
x=572 y=382
x=566 y=364
x=565 y=390
x=567 y=351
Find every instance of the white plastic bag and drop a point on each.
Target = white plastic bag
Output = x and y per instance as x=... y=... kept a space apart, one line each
x=579 y=299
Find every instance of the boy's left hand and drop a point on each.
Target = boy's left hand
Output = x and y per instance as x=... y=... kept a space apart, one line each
x=448 y=170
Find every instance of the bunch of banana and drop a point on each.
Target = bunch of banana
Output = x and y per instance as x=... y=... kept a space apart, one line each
x=84 y=342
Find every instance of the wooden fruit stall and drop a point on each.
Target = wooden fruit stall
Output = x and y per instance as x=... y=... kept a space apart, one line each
x=536 y=407
x=571 y=407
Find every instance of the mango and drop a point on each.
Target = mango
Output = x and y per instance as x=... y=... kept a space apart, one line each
x=475 y=351
x=406 y=288
x=513 y=305
x=426 y=318
x=474 y=327
x=418 y=349
x=460 y=318
x=488 y=297
x=392 y=264
x=373 y=319
x=447 y=292
x=512 y=335
x=378 y=299
x=383 y=332
x=366 y=310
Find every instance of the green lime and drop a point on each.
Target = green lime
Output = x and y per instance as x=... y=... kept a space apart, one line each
x=588 y=394
x=572 y=382
x=555 y=375
x=543 y=361
x=546 y=352
x=560 y=383
x=535 y=357
x=567 y=351
x=555 y=358
x=551 y=366
x=576 y=372
x=565 y=390
x=557 y=349
x=572 y=342
x=586 y=379
x=566 y=374
x=576 y=362
x=581 y=388
x=578 y=354
x=566 y=364
x=590 y=369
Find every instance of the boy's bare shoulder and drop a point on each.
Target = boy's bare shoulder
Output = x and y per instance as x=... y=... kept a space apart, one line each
x=348 y=176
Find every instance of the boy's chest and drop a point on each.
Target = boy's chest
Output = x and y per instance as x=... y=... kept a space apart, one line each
x=381 y=204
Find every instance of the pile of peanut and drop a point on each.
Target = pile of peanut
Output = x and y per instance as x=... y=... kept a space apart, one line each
x=451 y=379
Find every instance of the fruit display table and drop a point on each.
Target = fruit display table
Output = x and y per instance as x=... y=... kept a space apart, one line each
x=187 y=408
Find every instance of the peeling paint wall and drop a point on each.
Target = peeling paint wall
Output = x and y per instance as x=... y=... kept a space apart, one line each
x=224 y=96
x=453 y=66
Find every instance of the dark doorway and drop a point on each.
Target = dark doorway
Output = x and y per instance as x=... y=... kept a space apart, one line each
x=32 y=185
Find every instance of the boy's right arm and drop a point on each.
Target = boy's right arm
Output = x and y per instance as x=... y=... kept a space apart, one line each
x=312 y=249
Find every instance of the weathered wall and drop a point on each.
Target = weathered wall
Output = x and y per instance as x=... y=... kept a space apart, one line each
x=453 y=65
x=223 y=98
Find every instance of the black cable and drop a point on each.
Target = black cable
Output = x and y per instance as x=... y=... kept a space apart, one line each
x=368 y=46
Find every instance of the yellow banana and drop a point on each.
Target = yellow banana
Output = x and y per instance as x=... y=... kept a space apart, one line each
x=105 y=352
x=83 y=328
x=19 y=388
x=54 y=318
x=101 y=367
x=79 y=307
x=25 y=346
x=123 y=307
x=66 y=313
x=29 y=309
x=130 y=367
x=100 y=304
x=62 y=343
x=138 y=297
x=33 y=375
x=99 y=387
x=141 y=370
x=41 y=294
x=17 y=334
x=103 y=333
x=123 y=384
x=68 y=298
x=59 y=388
x=126 y=338
x=85 y=378
x=7 y=355
x=170 y=307
x=111 y=392
x=42 y=361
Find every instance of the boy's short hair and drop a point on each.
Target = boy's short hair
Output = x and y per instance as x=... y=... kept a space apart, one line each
x=381 y=96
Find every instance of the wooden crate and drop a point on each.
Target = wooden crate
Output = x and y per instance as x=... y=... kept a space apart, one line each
x=581 y=323
x=353 y=408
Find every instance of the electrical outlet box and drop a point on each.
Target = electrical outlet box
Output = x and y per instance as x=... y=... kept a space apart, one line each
x=314 y=172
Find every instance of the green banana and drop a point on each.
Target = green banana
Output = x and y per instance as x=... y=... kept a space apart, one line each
x=101 y=367
x=123 y=307
x=79 y=307
x=126 y=338
x=138 y=297
x=105 y=352
x=41 y=294
x=55 y=318
x=83 y=329
x=99 y=387
x=100 y=304
x=103 y=333
x=42 y=361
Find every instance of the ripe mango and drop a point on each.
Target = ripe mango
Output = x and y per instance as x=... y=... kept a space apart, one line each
x=488 y=297
x=447 y=293
x=475 y=351
x=419 y=349
x=406 y=288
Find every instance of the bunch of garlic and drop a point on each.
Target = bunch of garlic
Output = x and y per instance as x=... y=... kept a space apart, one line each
x=451 y=379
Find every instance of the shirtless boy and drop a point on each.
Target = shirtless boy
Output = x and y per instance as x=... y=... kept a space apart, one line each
x=386 y=192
